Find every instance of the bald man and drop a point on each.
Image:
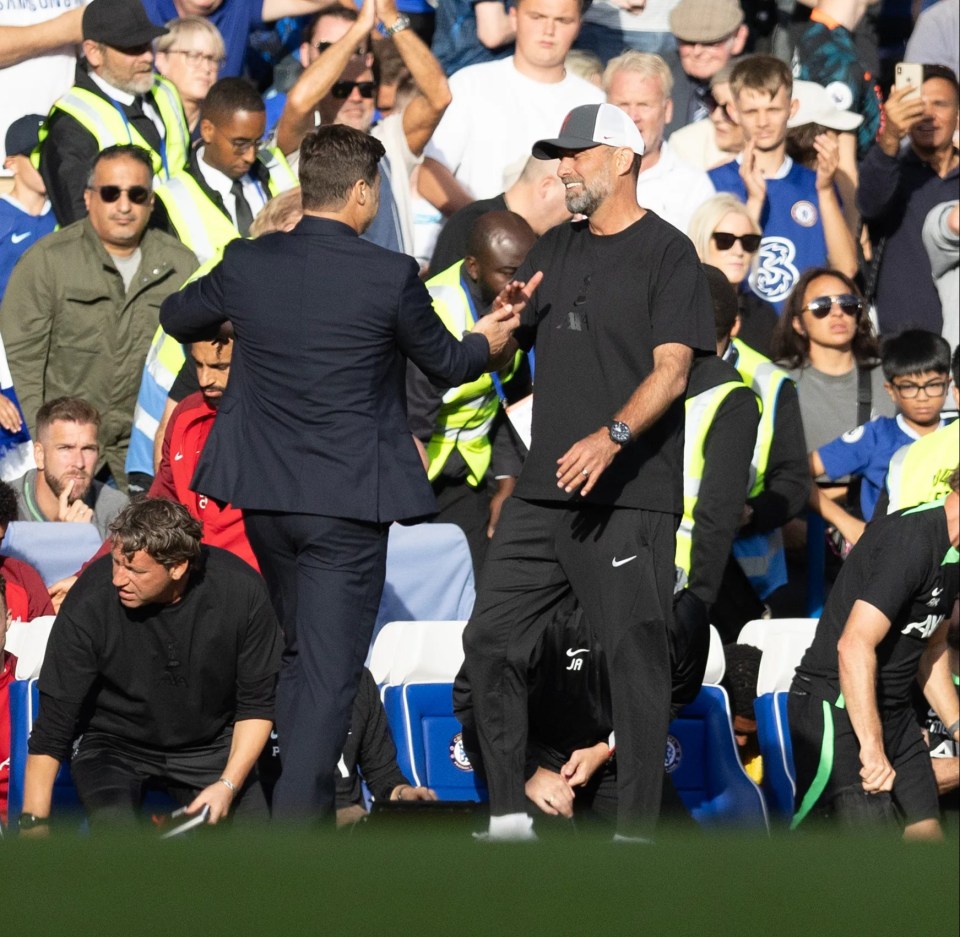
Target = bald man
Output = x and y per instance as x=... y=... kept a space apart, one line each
x=474 y=456
x=538 y=196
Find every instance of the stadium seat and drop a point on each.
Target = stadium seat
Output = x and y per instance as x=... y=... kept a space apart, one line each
x=24 y=703
x=429 y=575
x=429 y=741
x=417 y=652
x=783 y=642
x=704 y=765
x=716 y=662
x=773 y=736
x=53 y=550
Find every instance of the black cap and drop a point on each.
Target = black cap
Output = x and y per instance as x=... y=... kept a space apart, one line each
x=23 y=135
x=122 y=24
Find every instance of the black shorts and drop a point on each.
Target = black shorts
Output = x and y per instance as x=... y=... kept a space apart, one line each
x=826 y=754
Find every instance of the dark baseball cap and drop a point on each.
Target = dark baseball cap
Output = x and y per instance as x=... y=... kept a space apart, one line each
x=23 y=135
x=592 y=125
x=122 y=24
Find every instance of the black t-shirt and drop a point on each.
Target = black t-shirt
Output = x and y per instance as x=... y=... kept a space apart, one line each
x=904 y=566
x=604 y=304
x=162 y=676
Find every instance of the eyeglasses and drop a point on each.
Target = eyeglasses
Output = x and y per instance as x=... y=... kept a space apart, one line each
x=343 y=89
x=138 y=194
x=241 y=145
x=908 y=390
x=724 y=241
x=195 y=58
x=847 y=303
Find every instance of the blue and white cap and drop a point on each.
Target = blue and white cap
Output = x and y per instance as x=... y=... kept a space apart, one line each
x=592 y=125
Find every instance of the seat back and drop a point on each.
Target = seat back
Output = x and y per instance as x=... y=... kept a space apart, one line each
x=704 y=765
x=783 y=642
x=716 y=661
x=429 y=575
x=429 y=740
x=24 y=705
x=417 y=652
x=773 y=736
x=53 y=550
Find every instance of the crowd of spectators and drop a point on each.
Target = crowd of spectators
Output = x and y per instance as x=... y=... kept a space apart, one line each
x=819 y=175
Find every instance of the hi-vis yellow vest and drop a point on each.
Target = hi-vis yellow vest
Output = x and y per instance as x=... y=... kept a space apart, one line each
x=699 y=413
x=466 y=412
x=105 y=122
x=761 y=556
x=199 y=223
x=921 y=470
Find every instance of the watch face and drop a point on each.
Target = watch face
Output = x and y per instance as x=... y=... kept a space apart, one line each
x=619 y=432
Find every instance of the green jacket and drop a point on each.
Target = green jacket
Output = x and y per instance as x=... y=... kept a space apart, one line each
x=69 y=328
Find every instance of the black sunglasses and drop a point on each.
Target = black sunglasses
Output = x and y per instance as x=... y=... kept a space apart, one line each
x=724 y=241
x=343 y=89
x=847 y=303
x=138 y=194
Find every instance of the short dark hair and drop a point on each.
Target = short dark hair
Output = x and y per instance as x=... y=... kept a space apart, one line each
x=68 y=409
x=9 y=509
x=119 y=151
x=333 y=158
x=3 y=599
x=723 y=295
x=913 y=352
x=223 y=337
x=792 y=349
x=229 y=96
x=943 y=72
x=955 y=367
x=163 y=529
x=740 y=677
x=336 y=10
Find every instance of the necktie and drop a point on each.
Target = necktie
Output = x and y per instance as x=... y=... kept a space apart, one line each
x=144 y=125
x=242 y=208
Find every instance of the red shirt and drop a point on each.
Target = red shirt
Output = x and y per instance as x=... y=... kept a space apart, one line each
x=8 y=668
x=186 y=435
x=27 y=596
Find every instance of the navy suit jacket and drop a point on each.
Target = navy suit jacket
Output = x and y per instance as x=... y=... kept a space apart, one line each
x=313 y=419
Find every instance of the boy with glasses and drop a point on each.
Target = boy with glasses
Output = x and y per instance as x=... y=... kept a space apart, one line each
x=916 y=365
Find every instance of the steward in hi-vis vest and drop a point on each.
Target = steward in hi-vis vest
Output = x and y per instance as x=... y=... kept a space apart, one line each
x=463 y=429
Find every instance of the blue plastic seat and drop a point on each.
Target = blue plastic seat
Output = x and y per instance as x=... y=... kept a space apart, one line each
x=53 y=549
x=773 y=735
x=704 y=764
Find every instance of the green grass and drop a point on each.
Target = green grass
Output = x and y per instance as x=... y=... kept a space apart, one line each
x=406 y=879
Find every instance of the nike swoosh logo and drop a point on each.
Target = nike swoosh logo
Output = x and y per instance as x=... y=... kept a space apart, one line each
x=936 y=592
x=178 y=457
x=617 y=562
x=17 y=238
x=580 y=650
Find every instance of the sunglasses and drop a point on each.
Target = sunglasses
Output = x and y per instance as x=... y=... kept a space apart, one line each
x=138 y=194
x=724 y=241
x=847 y=303
x=343 y=89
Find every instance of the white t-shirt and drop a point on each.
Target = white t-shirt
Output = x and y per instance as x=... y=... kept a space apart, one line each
x=32 y=86
x=673 y=189
x=655 y=17
x=496 y=116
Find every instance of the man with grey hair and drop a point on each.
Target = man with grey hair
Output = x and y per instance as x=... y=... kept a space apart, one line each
x=640 y=84
x=118 y=98
x=164 y=657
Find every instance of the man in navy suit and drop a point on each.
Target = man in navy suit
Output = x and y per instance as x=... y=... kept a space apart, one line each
x=311 y=439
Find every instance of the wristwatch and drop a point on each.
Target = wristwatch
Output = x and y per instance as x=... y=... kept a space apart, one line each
x=29 y=821
x=401 y=23
x=619 y=432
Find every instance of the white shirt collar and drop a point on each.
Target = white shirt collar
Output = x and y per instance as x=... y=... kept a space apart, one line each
x=912 y=433
x=781 y=173
x=218 y=181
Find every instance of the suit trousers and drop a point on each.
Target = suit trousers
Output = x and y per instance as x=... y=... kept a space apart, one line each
x=619 y=564
x=325 y=576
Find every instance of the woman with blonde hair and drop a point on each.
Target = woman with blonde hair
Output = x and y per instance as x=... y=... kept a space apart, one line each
x=726 y=237
x=191 y=55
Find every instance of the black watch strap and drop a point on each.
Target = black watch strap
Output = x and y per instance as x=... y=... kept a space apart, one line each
x=29 y=821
